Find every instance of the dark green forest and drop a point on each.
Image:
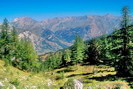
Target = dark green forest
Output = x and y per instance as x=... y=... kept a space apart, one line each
x=115 y=49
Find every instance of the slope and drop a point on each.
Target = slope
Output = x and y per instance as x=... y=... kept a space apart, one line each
x=91 y=76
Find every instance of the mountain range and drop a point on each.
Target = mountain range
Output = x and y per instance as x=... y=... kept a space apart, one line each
x=50 y=35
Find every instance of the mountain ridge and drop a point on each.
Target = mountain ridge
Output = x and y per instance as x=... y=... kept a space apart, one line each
x=53 y=34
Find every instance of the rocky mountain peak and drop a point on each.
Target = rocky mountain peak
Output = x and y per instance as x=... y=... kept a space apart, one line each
x=23 y=19
x=110 y=16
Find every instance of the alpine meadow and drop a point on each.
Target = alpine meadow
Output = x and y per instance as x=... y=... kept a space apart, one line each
x=68 y=49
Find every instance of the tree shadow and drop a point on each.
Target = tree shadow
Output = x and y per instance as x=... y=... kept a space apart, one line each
x=86 y=64
x=130 y=81
x=102 y=71
x=73 y=75
x=104 y=78
x=114 y=78
x=86 y=82
x=65 y=70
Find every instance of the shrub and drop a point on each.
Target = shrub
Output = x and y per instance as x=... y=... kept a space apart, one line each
x=15 y=82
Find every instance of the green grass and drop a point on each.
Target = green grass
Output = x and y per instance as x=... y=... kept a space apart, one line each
x=102 y=77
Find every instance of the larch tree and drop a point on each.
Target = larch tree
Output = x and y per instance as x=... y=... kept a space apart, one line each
x=5 y=40
x=78 y=50
x=124 y=63
x=66 y=56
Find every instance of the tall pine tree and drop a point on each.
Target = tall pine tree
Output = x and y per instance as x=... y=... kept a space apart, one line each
x=5 y=40
x=94 y=51
x=78 y=50
x=124 y=61
x=26 y=54
x=66 y=57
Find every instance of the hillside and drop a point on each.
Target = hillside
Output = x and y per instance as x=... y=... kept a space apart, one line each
x=53 y=34
x=56 y=44
x=90 y=76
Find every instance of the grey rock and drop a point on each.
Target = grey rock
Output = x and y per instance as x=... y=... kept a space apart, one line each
x=78 y=84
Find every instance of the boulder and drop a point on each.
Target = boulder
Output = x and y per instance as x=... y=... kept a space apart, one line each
x=73 y=84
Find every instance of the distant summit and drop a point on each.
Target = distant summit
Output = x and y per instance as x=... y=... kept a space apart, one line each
x=53 y=34
x=22 y=19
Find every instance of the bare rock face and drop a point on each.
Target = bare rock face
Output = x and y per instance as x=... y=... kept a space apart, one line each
x=73 y=84
x=43 y=44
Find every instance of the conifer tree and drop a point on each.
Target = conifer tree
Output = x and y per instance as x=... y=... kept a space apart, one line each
x=94 y=51
x=123 y=50
x=5 y=40
x=26 y=54
x=13 y=50
x=14 y=43
x=53 y=61
x=106 y=47
x=66 y=57
x=78 y=50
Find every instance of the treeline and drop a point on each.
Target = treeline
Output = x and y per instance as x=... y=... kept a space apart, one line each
x=115 y=50
x=15 y=51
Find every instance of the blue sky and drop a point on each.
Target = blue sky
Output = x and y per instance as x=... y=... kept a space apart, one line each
x=42 y=9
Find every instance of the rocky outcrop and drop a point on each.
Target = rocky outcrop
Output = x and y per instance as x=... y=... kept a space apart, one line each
x=77 y=84
x=73 y=84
